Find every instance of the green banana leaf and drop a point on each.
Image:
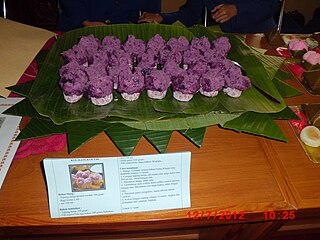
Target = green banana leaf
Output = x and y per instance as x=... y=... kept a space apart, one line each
x=48 y=100
x=196 y=135
x=40 y=128
x=159 y=139
x=21 y=89
x=81 y=132
x=251 y=122
x=155 y=120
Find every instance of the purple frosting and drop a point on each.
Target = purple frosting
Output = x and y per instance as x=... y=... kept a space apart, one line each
x=185 y=83
x=101 y=57
x=135 y=47
x=99 y=84
x=110 y=44
x=84 y=51
x=75 y=55
x=156 y=43
x=73 y=79
x=221 y=45
x=240 y=82
x=175 y=57
x=177 y=45
x=157 y=80
x=192 y=56
x=198 y=68
x=131 y=82
x=201 y=44
x=114 y=72
x=148 y=60
x=212 y=81
x=172 y=69
x=120 y=57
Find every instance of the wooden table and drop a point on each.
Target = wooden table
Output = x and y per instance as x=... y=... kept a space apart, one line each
x=230 y=172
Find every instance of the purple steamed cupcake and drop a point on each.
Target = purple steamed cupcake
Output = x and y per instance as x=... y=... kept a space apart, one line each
x=185 y=86
x=73 y=80
x=236 y=83
x=175 y=57
x=212 y=57
x=157 y=83
x=163 y=56
x=135 y=47
x=148 y=60
x=110 y=44
x=192 y=56
x=99 y=86
x=211 y=83
x=101 y=57
x=122 y=57
x=172 y=69
x=221 y=45
x=201 y=44
x=83 y=51
x=177 y=45
x=75 y=55
x=156 y=43
x=198 y=68
x=131 y=84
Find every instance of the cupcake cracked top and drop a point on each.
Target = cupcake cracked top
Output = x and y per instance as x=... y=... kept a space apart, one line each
x=131 y=82
x=157 y=80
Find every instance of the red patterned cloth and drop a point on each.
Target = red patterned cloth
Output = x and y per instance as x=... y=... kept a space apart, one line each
x=44 y=144
x=296 y=69
x=35 y=146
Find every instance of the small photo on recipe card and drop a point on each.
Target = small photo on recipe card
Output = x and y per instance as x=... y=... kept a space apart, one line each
x=87 y=177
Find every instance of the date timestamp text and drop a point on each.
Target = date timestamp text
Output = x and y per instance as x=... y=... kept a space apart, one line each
x=216 y=215
x=281 y=215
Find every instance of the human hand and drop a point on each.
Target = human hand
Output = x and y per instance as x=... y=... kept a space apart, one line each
x=150 y=18
x=92 y=23
x=224 y=12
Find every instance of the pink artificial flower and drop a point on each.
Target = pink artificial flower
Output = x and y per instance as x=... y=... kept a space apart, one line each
x=297 y=45
x=312 y=57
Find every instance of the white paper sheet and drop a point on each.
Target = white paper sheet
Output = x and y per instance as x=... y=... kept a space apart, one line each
x=84 y=187
x=8 y=132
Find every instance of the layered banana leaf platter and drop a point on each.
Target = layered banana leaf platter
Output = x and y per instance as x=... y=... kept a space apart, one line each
x=126 y=122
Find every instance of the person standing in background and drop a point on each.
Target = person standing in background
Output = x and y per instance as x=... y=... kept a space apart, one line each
x=82 y=13
x=235 y=16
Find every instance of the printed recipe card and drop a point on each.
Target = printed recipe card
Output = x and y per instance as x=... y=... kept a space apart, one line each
x=96 y=186
x=9 y=130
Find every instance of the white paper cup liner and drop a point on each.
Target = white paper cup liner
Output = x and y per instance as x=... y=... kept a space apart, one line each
x=156 y=94
x=130 y=97
x=182 y=96
x=72 y=98
x=208 y=94
x=102 y=101
x=232 y=92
